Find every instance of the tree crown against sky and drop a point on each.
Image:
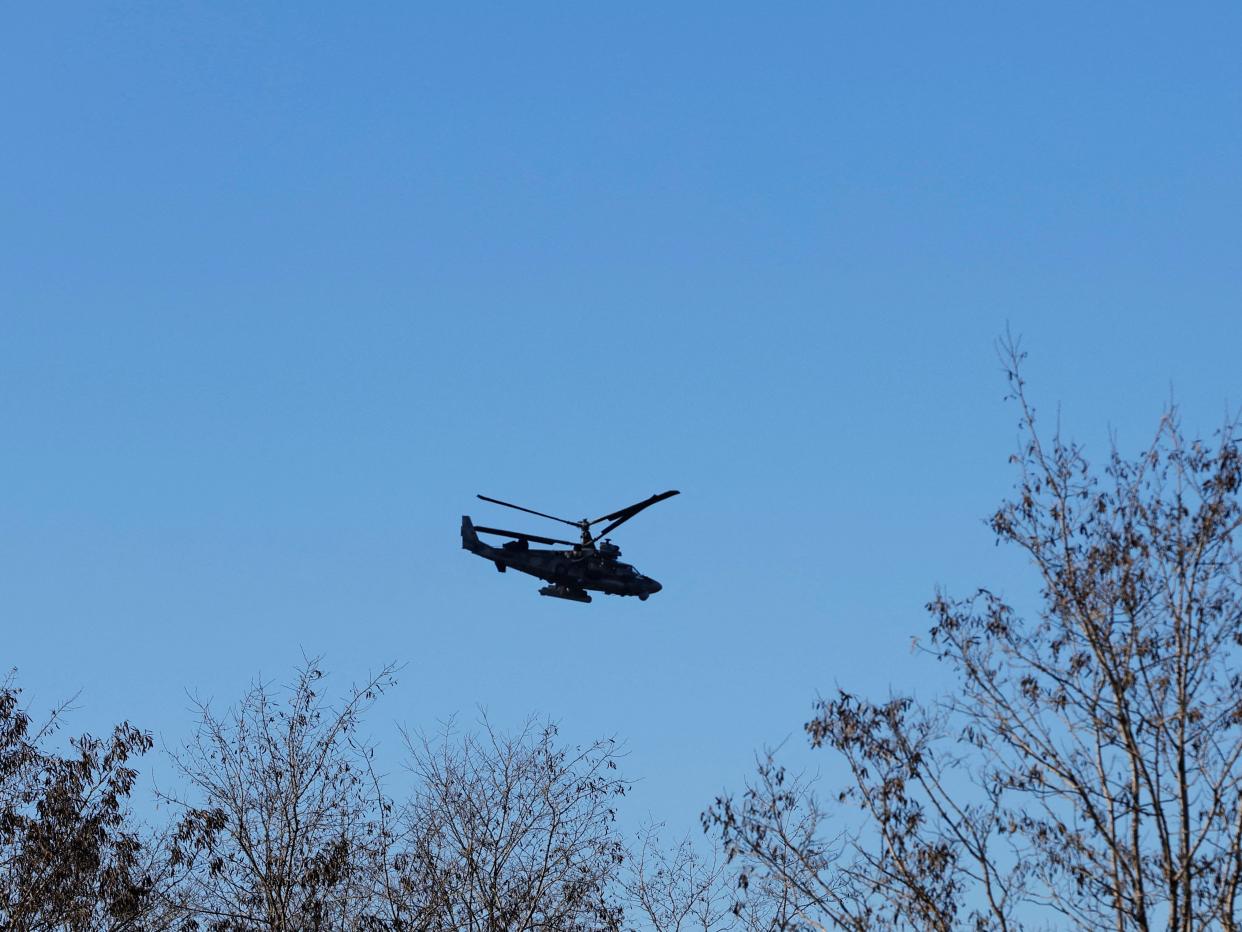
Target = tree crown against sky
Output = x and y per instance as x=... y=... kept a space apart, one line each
x=1086 y=769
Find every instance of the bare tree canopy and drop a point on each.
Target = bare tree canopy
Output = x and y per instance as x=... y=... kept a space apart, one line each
x=685 y=889
x=508 y=833
x=1085 y=772
x=280 y=828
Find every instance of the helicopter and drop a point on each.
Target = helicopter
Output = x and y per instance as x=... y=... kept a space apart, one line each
x=570 y=572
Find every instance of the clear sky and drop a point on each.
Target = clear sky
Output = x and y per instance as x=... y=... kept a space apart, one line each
x=282 y=286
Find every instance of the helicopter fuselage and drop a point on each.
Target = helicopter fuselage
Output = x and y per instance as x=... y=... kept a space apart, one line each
x=570 y=572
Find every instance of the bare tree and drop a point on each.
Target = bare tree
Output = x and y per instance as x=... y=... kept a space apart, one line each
x=70 y=856
x=685 y=889
x=507 y=833
x=678 y=889
x=1087 y=768
x=791 y=845
x=280 y=828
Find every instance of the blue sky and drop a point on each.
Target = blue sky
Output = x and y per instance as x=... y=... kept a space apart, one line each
x=284 y=286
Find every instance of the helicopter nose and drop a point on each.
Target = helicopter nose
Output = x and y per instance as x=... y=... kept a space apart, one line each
x=652 y=585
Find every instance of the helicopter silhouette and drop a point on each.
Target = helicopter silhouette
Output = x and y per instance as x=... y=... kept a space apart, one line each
x=571 y=572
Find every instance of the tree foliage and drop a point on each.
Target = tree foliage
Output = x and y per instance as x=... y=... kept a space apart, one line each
x=70 y=857
x=1086 y=770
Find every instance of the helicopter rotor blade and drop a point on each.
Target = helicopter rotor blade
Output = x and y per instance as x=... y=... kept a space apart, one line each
x=535 y=537
x=624 y=514
x=531 y=511
x=637 y=506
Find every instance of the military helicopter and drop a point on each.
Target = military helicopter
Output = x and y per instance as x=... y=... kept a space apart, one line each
x=570 y=572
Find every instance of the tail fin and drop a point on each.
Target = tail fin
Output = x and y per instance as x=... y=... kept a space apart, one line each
x=469 y=539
